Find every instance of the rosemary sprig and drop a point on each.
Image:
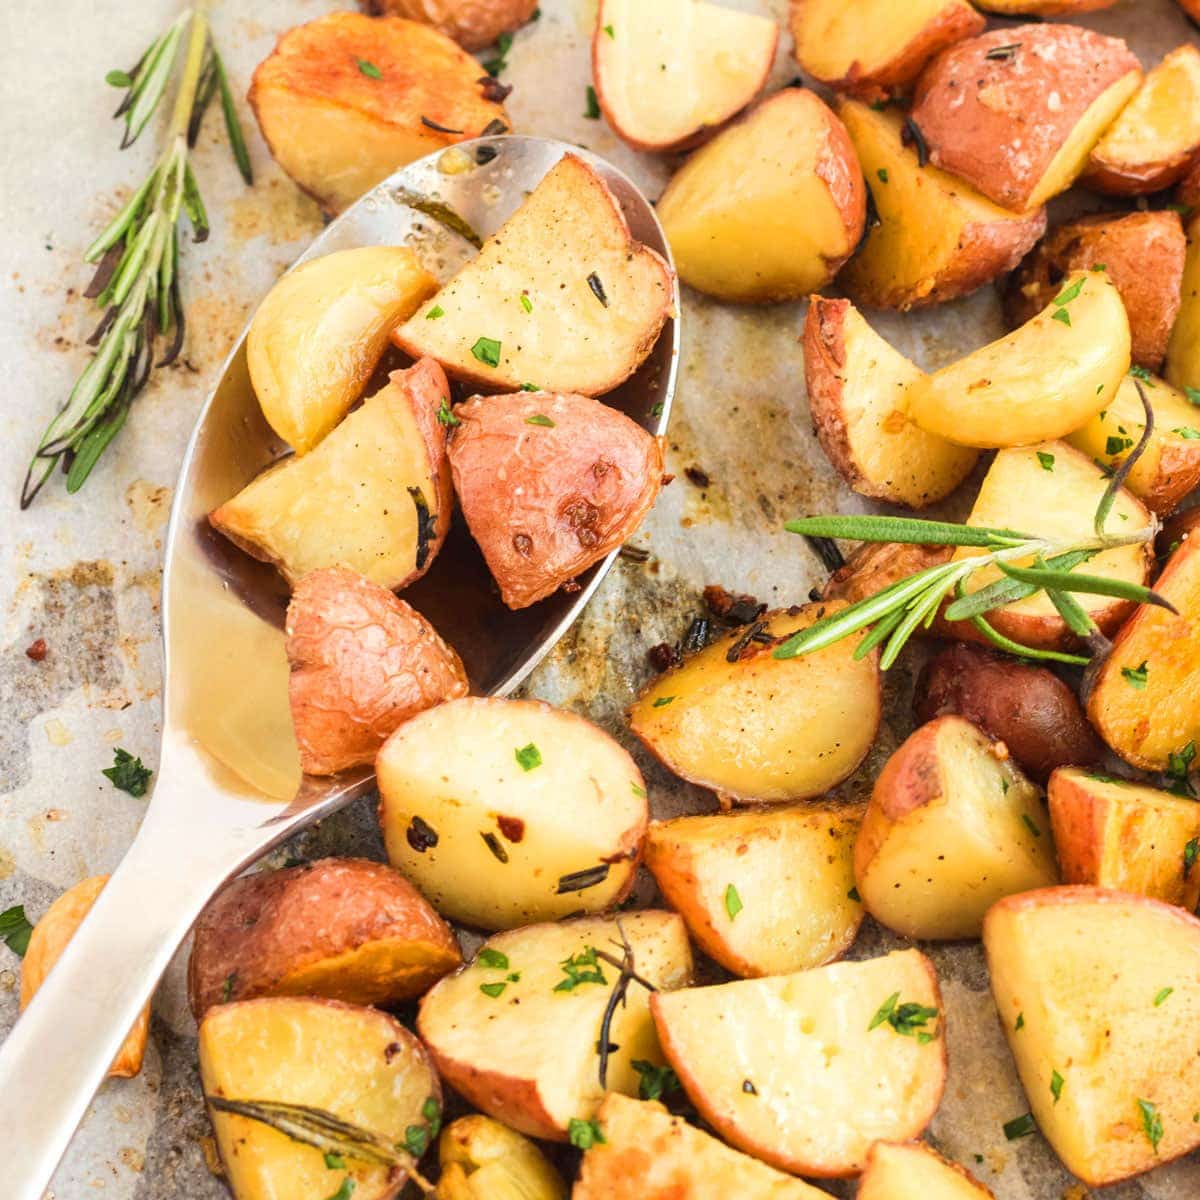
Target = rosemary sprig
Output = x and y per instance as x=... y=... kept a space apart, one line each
x=137 y=280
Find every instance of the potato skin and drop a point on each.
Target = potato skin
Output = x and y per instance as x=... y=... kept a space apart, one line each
x=1028 y=708
x=1143 y=254
x=473 y=24
x=363 y=661
x=549 y=484
x=262 y=932
x=876 y=565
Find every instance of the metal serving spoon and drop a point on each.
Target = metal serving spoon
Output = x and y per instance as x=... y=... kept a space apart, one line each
x=229 y=784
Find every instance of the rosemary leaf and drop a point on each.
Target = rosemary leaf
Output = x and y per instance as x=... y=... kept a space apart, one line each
x=1095 y=585
x=1008 y=591
x=879 y=632
x=152 y=83
x=925 y=606
x=233 y=127
x=1072 y=613
x=909 y=530
x=121 y=222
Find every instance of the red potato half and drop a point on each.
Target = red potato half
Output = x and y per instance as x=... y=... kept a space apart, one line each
x=914 y=1171
x=1099 y=997
x=668 y=72
x=1020 y=125
x=362 y=662
x=874 y=566
x=343 y=928
x=549 y=485
x=1042 y=8
x=473 y=24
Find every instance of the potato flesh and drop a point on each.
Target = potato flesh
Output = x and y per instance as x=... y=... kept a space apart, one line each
x=507 y=834
x=492 y=1050
x=321 y=331
x=791 y=870
x=1039 y=382
x=484 y=1160
x=812 y=718
x=950 y=830
x=473 y=24
x=825 y=1086
x=569 y=229
x=1183 y=349
x=1083 y=967
x=770 y=208
x=356 y=1063
x=671 y=69
x=912 y=1171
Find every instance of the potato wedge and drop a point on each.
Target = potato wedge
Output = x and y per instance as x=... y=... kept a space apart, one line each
x=484 y=1160
x=953 y=826
x=914 y=1171
x=1020 y=124
x=1143 y=254
x=876 y=565
x=796 y=215
x=49 y=939
x=1146 y=700
x=1187 y=191
x=356 y=1063
x=561 y=297
x=1119 y=834
x=339 y=128
x=1039 y=382
x=375 y=496
x=812 y=1068
x=343 y=928
x=1028 y=708
x=669 y=72
x=937 y=238
x=1170 y=466
x=319 y=334
x=873 y=49
x=1054 y=491
x=549 y=485
x=362 y=662
x=1154 y=140
x=672 y=1160
x=857 y=390
x=488 y=1027
x=764 y=891
x=505 y=812
x=473 y=24
x=1099 y=997
x=814 y=717
x=1183 y=348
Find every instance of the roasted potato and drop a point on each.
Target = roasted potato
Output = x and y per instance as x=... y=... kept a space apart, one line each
x=1028 y=708
x=484 y=1160
x=509 y=811
x=1187 y=191
x=1170 y=466
x=515 y=1033
x=473 y=24
x=1119 y=834
x=1099 y=997
x=561 y=298
x=319 y=334
x=914 y=1171
x=669 y=72
x=763 y=891
x=1146 y=700
x=672 y=1160
x=834 y=1058
x=814 y=717
x=358 y=1064
x=550 y=484
x=362 y=662
x=1154 y=140
x=953 y=825
x=1183 y=347
x=47 y=942
x=375 y=496
x=1017 y=111
x=1039 y=382
x=1141 y=252
x=874 y=566
x=1191 y=8
x=937 y=238
x=795 y=216
x=344 y=928
x=1056 y=490
x=873 y=49
x=345 y=100
x=857 y=396
x=1042 y=8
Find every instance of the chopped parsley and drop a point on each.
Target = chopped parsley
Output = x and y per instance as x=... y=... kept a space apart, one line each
x=1116 y=445
x=529 y=387
x=1190 y=853
x=1136 y=676
x=1162 y=995
x=1047 y=460
x=435 y=312
x=528 y=757
x=593 y=105
x=1140 y=372
x=493 y=989
x=540 y=419
x=1061 y=314
x=445 y=416
x=663 y=701
x=583 y=967
x=1019 y=1127
x=335 y=1162
x=1152 y=1124
x=345 y=1191
x=1193 y=395
x=907 y=1019
x=495 y=65
x=583 y=1135
x=487 y=351
x=609 y=30
x=1056 y=1086
x=1179 y=766
x=494 y=960
x=526 y=303
x=638 y=790
x=1031 y=825
x=128 y=773
x=368 y=68
x=1187 y=432
x=883 y=175
x=1019 y=1024
x=654 y=1082
x=1065 y=297
x=852 y=894
x=733 y=902
x=15 y=929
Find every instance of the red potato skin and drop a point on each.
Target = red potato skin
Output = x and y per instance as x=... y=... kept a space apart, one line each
x=363 y=662
x=546 y=501
x=473 y=24
x=876 y=565
x=1028 y=708
x=838 y=167
x=986 y=119
x=1188 y=190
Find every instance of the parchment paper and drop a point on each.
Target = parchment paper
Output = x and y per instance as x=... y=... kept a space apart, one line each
x=83 y=572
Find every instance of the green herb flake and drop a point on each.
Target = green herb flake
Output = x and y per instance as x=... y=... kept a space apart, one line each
x=528 y=757
x=1031 y=825
x=1019 y=1024
x=1019 y=1127
x=883 y=175
x=733 y=902
x=526 y=303
x=416 y=1140
x=368 y=68
x=1117 y=445
x=529 y=387
x=1056 y=1086
x=15 y=929
x=1061 y=314
x=1162 y=995
x=638 y=790
x=1140 y=372
x=487 y=351
x=431 y=1110
x=493 y=989
x=335 y=1162
x=540 y=419
x=884 y=1011
x=345 y=1191
x=118 y=79
x=1187 y=432
x=852 y=894
x=128 y=773
x=503 y=45
x=654 y=1081
x=1190 y=853
x=1179 y=767
x=1193 y=395
x=1136 y=677
x=580 y=968
x=435 y=313
x=609 y=30
x=445 y=416
x=493 y=960
x=593 y=105
x=583 y=1135
x=1152 y=1124
x=1047 y=460
x=1065 y=297
x=227 y=986
x=663 y=701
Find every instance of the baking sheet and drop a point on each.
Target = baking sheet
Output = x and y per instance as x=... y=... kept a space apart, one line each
x=83 y=572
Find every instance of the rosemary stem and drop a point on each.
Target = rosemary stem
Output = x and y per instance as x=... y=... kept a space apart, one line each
x=185 y=98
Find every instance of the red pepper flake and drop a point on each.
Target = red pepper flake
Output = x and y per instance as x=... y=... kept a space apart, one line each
x=36 y=651
x=513 y=828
